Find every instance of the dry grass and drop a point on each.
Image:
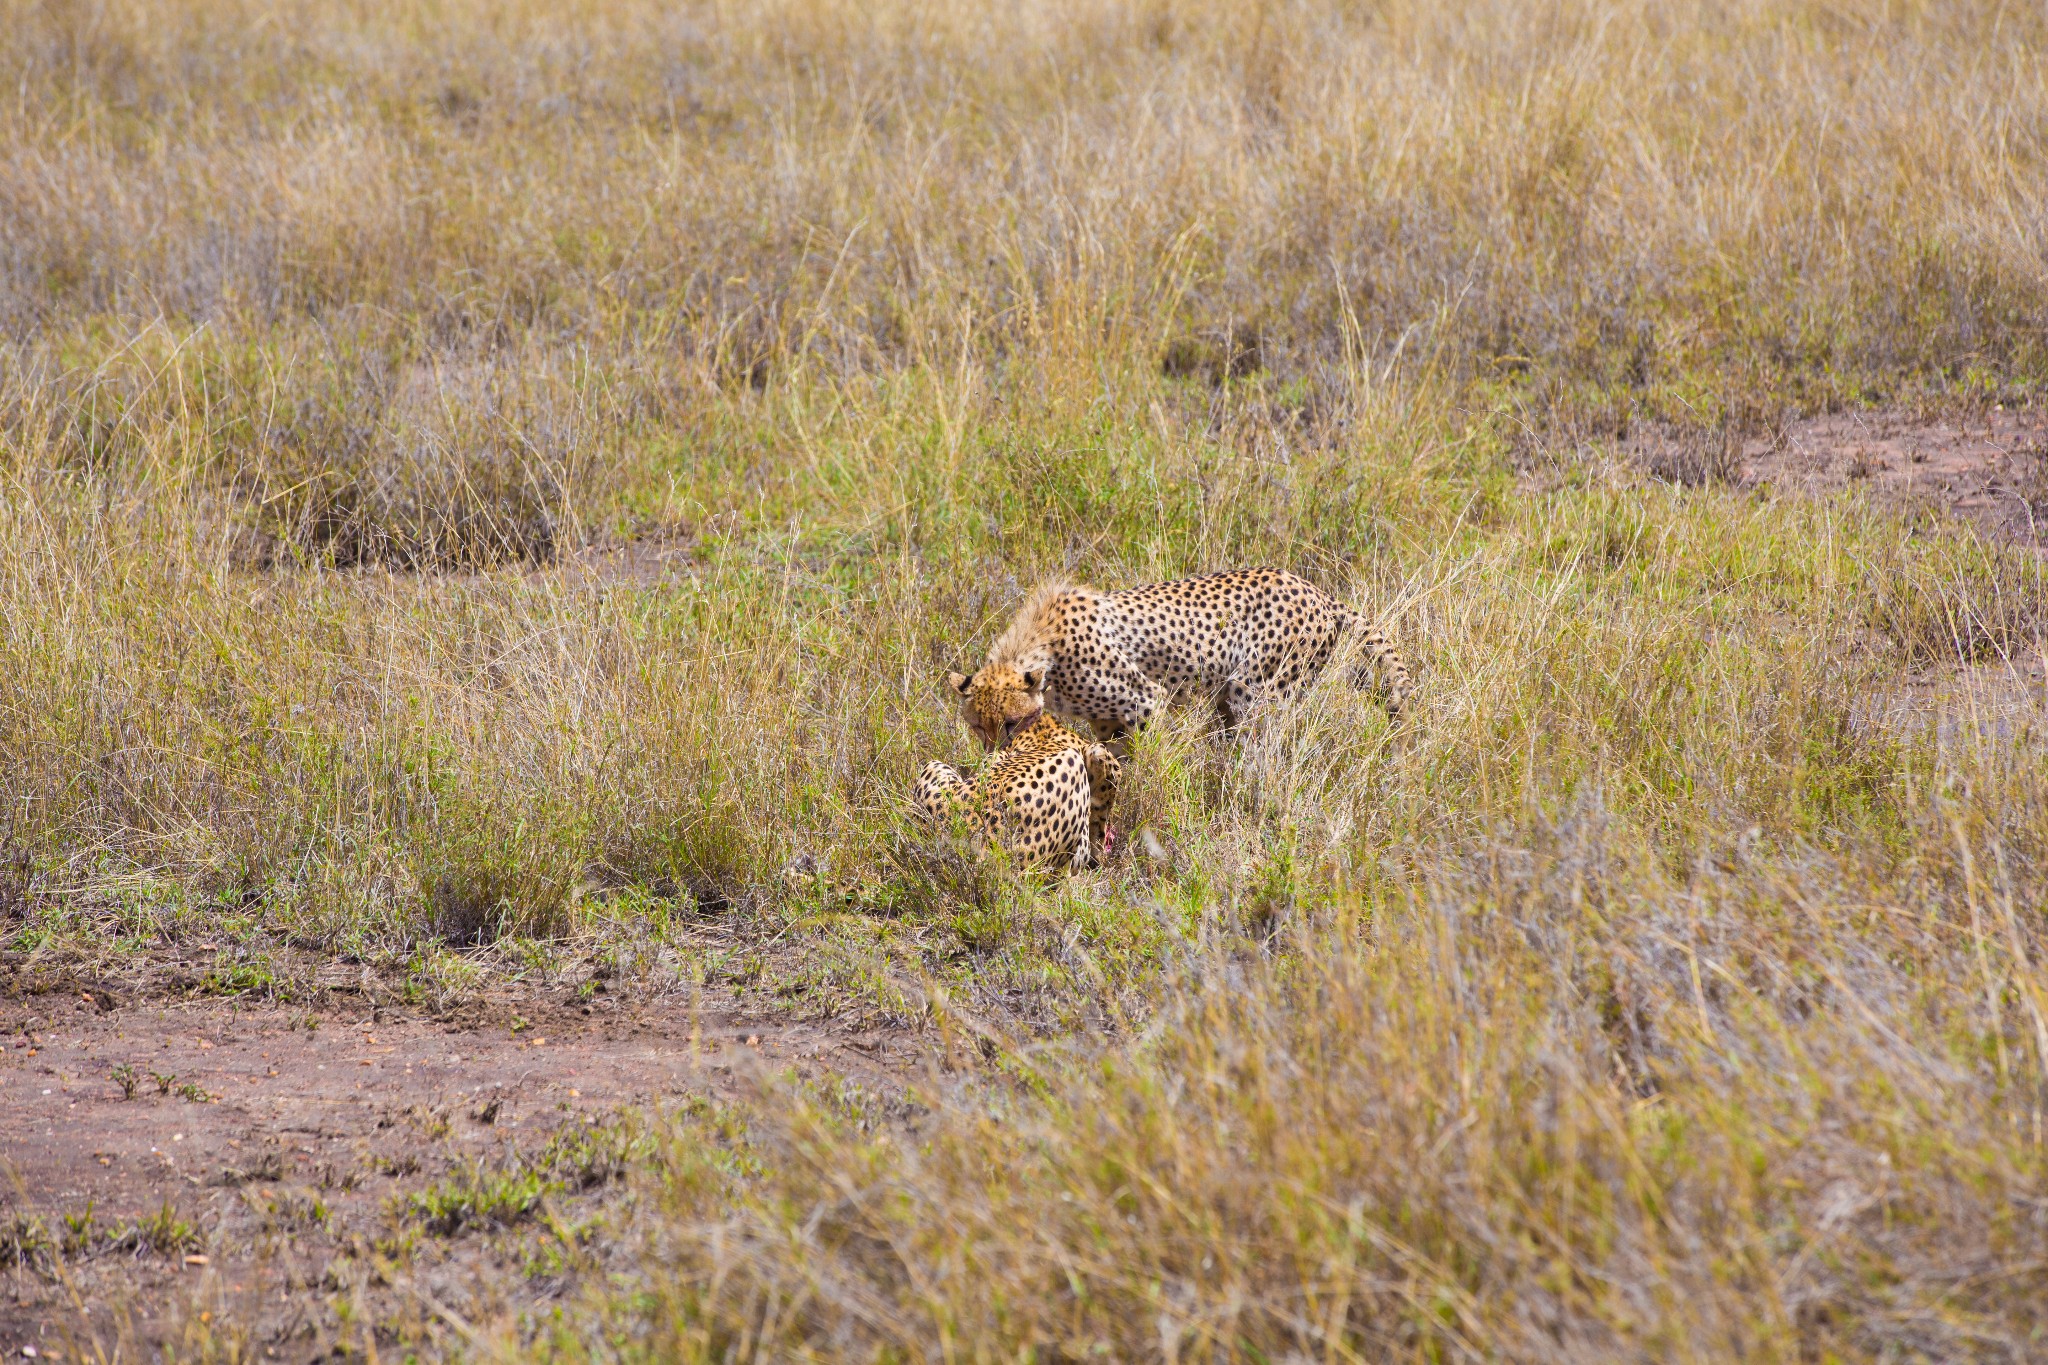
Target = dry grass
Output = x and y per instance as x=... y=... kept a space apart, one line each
x=465 y=469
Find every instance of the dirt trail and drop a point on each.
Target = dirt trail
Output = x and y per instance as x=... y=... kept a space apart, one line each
x=283 y=1148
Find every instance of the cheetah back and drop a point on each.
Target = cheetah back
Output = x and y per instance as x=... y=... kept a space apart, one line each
x=1266 y=629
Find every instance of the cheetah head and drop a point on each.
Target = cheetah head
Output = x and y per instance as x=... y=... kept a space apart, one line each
x=998 y=701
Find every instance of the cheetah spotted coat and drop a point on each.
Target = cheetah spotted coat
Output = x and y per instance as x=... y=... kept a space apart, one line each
x=1112 y=660
x=1045 y=796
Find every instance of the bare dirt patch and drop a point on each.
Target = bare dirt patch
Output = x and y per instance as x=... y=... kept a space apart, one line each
x=172 y=1167
x=1989 y=468
x=2007 y=700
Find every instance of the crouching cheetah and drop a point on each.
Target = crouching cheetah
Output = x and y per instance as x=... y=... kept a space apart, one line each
x=1112 y=659
x=1045 y=795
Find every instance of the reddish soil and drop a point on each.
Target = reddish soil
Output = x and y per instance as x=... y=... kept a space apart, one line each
x=1990 y=468
x=292 y=1154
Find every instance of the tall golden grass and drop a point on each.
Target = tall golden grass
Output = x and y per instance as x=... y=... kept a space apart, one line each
x=468 y=467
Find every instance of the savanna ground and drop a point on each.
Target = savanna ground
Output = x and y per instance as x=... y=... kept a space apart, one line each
x=488 y=494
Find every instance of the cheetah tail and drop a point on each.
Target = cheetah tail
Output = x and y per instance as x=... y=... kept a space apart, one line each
x=1382 y=653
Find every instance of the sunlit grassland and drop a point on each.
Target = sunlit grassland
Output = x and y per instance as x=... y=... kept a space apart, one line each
x=483 y=482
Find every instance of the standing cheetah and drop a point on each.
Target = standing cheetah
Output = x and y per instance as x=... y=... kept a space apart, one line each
x=1046 y=794
x=1113 y=659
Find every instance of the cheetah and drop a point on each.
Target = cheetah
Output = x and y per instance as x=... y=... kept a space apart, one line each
x=1113 y=659
x=1045 y=796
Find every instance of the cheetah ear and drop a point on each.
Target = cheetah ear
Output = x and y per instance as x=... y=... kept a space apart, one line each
x=959 y=681
x=1034 y=680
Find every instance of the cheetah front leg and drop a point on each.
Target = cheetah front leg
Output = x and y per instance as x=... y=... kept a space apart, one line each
x=1104 y=772
x=942 y=791
x=1112 y=696
x=1235 y=701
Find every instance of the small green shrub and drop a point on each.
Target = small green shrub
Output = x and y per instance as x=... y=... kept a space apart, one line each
x=163 y=1232
x=26 y=1242
x=476 y=1197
